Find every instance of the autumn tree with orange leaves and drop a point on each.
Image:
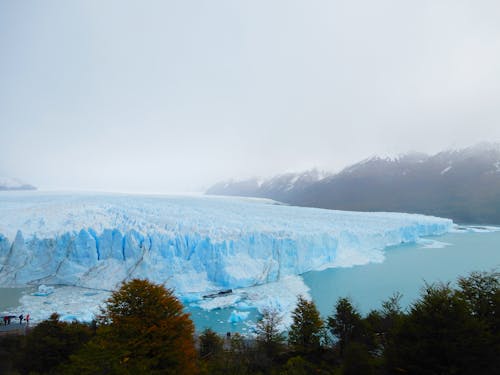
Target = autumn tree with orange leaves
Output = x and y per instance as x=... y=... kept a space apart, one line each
x=142 y=330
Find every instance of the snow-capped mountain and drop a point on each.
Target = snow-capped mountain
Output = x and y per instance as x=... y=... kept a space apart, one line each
x=14 y=184
x=282 y=187
x=462 y=184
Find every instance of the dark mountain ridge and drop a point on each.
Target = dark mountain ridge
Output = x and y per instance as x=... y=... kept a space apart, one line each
x=463 y=185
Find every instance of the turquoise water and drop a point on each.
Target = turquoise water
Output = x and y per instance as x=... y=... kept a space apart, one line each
x=405 y=269
x=9 y=298
x=218 y=320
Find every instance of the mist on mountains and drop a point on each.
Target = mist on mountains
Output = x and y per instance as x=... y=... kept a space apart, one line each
x=462 y=184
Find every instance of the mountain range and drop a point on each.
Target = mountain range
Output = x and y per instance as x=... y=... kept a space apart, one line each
x=14 y=184
x=462 y=184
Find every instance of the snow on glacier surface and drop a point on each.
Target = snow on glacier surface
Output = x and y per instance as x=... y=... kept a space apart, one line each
x=191 y=243
x=194 y=244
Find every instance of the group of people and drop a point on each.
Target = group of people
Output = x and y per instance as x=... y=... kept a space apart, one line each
x=7 y=319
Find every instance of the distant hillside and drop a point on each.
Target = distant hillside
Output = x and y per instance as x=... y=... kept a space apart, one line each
x=14 y=184
x=283 y=187
x=463 y=185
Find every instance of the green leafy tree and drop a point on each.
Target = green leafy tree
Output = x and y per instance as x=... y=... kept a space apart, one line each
x=239 y=360
x=440 y=336
x=382 y=323
x=50 y=343
x=211 y=344
x=269 y=335
x=357 y=360
x=211 y=351
x=392 y=307
x=298 y=366
x=345 y=323
x=224 y=356
x=142 y=330
x=11 y=354
x=307 y=328
x=481 y=293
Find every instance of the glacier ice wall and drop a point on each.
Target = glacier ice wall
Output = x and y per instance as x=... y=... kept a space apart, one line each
x=193 y=244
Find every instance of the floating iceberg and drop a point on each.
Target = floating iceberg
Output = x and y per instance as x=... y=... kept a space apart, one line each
x=194 y=244
x=43 y=291
x=238 y=316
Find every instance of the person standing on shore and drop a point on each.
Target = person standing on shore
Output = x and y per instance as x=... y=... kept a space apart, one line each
x=27 y=319
x=21 y=319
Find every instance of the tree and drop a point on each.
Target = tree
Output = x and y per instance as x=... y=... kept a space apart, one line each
x=298 y=366
x=142 y=330
x=382 y=323
x=345 y=324
x=269 y=336
x=211 y=349
x=357 y=360
x=12 y=353
x=392 y=307
x=481 y=293
x=307 y=327
x=238 y=361
x=50 y=344
x=211 y=344
x=440 y=336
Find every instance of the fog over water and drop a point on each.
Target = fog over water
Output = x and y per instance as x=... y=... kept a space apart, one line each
x=173 y=96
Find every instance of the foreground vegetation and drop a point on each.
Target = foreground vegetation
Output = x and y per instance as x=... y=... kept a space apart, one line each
x=143 y=330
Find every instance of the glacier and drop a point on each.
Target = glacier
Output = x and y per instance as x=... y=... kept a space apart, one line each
x=193 y=244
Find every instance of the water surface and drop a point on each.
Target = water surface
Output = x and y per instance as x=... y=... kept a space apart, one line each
x=9 y=298
x=405 y=269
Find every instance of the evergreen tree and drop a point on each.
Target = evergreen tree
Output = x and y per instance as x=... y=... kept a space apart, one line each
x=345 y=324
x=307 y=327
x=440 y=336
x=381 y=324
x=392 y=307
x=357 y=360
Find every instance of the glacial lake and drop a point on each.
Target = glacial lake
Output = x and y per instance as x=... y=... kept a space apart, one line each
x=405 y=269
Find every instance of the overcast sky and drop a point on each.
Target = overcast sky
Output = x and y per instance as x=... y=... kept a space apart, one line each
x=162 y=96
